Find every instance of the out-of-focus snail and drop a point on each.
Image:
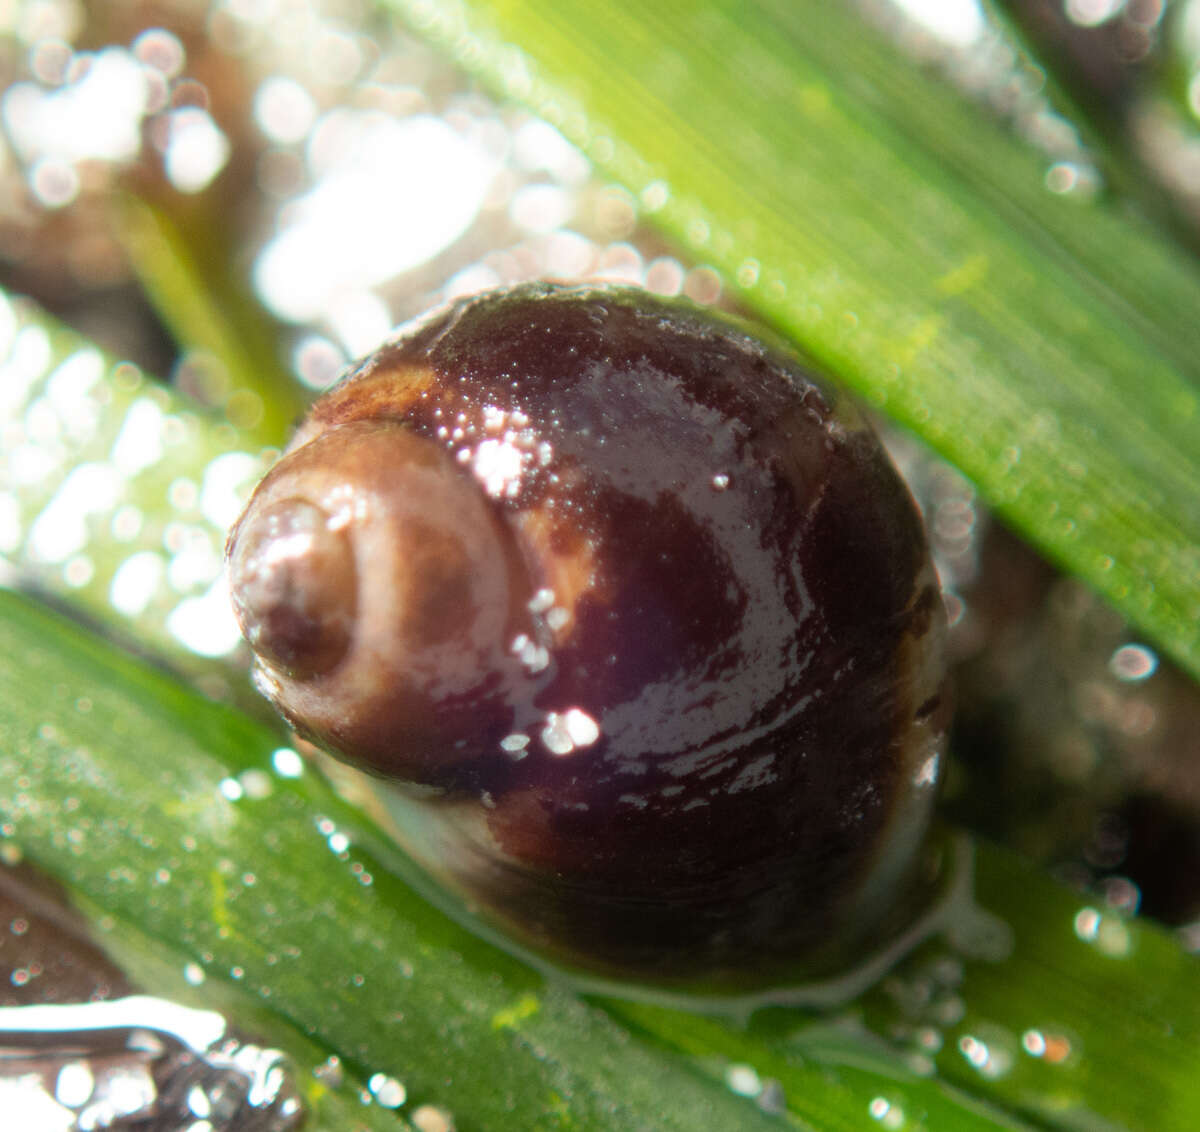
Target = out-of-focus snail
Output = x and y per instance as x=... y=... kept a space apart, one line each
x=633 y=617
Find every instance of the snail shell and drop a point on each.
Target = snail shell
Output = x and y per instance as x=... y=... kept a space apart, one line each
x=633 y=616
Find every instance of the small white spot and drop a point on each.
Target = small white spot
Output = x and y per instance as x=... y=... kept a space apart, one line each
x=1087 y=924
x=556 y=737
x=127 y=522
x=655 y=195
x=193 y=974
x=78 y=571
x=581 y=727
x=256 y=783
x=431 y=1118
x=720 y=481
x=199 y=1104
x=557 y=618
x=265 y=681
x=1131 y=663
x=534 y=657
x=515 y=744
x=231 y=789
x=74 y=1084
x=161 y=50
x=1108 y=933
x=284 y=110
x=287 y=763
x=206 y=624
x=743 y=1080
x=540 y=207
x=387 y=1091
x=889 y=1115
x=927 y=775
x=541 y=601
x=958 y=23
x=227 y=483
x=975 y=1051
x=139 y=444
x=1092 y=13
x=197 y=150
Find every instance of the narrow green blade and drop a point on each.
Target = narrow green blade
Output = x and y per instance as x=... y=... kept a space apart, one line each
x=169 y=819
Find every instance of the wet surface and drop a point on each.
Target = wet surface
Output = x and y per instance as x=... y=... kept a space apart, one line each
x=80 y=1050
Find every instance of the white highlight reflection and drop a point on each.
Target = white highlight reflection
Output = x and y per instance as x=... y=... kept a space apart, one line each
x=99 y=116
x=206 y=624
x=391 y=195
x=196 y=150
x=956 y=22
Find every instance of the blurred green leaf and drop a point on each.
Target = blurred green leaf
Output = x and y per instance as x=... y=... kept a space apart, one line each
x=292 y=904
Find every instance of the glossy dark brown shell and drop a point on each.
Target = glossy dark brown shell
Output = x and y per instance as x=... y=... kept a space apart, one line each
x=712 y=744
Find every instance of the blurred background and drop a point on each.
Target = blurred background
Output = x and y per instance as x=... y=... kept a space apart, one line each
x=233 y=199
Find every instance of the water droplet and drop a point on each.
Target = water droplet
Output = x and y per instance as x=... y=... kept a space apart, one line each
x=1131 y=663
x=515 y=744
x=743 y=1080
x=231 y=789
x=74 y=1084
x=387 y=1091
x=287 y=763
x=432 y=1118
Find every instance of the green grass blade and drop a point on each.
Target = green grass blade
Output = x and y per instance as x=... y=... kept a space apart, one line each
x=822 y=1075
x=1046 y=346
x=1042 y=1005
x=1089 y=1020
x=162 y=813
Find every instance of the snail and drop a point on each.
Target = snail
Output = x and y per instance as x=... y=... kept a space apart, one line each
x=630 y=620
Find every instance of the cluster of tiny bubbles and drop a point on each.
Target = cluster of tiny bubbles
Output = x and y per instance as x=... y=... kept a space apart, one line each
x=389 y=1092
x=889 y=1113
x=932 y=1018
x=339 y=844
x=960 y=40
x=141 y=1062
